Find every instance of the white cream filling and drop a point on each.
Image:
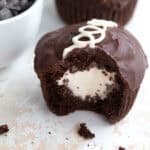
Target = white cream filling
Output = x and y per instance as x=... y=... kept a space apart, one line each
x=93 y=82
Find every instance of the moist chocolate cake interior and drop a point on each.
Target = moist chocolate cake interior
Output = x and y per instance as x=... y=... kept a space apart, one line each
x=64 y=100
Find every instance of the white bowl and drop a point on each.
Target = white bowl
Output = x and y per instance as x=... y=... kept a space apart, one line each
x=18 y=32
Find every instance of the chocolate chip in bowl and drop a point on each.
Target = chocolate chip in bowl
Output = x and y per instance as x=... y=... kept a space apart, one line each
x=10 y=8
x=19 y=24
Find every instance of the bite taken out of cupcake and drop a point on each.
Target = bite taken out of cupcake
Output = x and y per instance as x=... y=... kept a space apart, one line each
x=96 y=65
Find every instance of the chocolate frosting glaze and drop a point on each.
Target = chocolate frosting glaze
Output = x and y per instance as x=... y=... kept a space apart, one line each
x=119 y=44
x=77 y=11
x=118 y=3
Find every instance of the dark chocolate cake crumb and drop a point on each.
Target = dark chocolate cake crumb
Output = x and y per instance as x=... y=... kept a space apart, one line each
x=85 y=132
x=74 y=69
x=65 y=81
x=110 y=78
x=105 y=73
x=67 y=139
x=3 y=129
x=121 y=148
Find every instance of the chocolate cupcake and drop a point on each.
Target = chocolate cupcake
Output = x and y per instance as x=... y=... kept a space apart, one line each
x=96 y=66
x=75 y=11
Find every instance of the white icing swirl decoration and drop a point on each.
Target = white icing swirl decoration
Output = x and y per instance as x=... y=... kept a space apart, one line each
x=93 y=27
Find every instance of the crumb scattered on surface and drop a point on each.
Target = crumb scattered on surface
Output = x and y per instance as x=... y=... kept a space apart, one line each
x=85 y=132
x=4 y=129
x=49 y=133
x=121 y=148
x=67 y=139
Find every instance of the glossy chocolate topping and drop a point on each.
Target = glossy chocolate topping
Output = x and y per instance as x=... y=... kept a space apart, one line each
x=119 y=44
x=117 y=3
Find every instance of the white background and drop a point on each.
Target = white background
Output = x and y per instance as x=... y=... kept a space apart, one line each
x=22 y=106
